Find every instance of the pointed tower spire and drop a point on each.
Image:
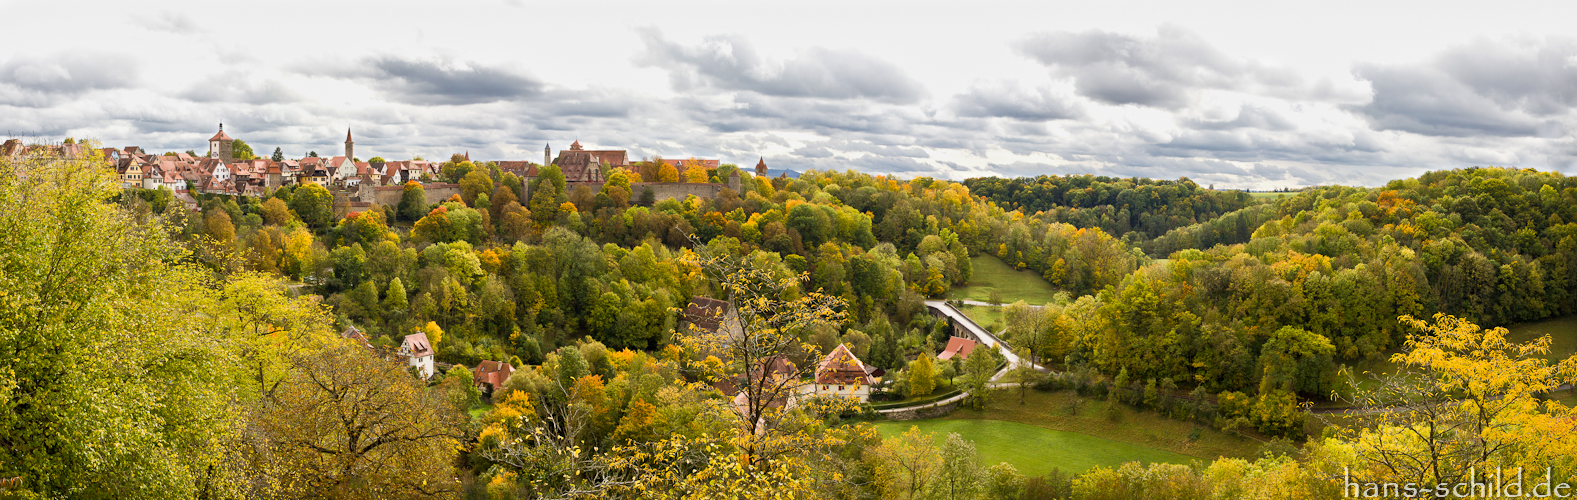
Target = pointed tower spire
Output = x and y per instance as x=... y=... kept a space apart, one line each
x=761 y=167
x=350 y=146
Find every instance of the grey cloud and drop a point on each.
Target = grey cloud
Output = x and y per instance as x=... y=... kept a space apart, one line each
x=1483 y=88
x=1122 y=69
x=1009 y=100
x=1249 y=116
x=1426 y=101
x=241 y=87
x=419 y=81
x=731 y=63
x=69 y=72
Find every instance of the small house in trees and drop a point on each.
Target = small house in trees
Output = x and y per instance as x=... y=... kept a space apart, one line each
x=842 y=374
x=708 y=315
x=490 y=375
x=356 y=336
x=420 y=352
x=957 y=347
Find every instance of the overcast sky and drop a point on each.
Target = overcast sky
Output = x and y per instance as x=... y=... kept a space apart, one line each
x=1236 y=94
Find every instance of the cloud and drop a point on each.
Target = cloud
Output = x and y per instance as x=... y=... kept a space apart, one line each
x=730 y=63
x=1159 y=72
x=70 y=72
x=171 y=22
x=241 y=87
x=443 y=81
x=1009 y=100
x=1483 y=88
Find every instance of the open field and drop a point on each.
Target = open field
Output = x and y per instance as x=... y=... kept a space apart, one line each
x=987 y=317
x=1268 y=196
x=1035 y=450
x=990 y=273
x=1563 y=344
x=1166 y=439
x=1562 y=332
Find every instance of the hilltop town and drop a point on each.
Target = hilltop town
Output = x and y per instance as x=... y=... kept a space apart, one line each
x=357 y=184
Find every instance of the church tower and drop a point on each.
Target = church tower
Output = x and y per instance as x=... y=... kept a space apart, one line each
x=547 y=154
x=350 y=147
x=761 y=167
x=221 y=146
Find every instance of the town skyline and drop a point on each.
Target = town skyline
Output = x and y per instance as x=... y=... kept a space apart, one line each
x=1233 y=94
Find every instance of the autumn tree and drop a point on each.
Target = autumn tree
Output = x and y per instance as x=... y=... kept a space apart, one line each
x=347 y=423
x=474 y=184
x=667 y=173
x=275 y=213
x=922 y=376
x=1466 y=399
x=907 y=464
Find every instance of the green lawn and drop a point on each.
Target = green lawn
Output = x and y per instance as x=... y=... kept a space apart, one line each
x=1033 y=450
x=1059 y=438
x=990 y=274
x=1562 y=332
x=1563 y=343
x=987 y=317
x=1269 y=196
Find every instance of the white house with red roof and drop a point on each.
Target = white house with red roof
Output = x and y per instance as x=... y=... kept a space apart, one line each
x=842 y=374
x=419 y=351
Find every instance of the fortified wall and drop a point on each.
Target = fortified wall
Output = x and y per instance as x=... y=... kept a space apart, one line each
x=436 y=192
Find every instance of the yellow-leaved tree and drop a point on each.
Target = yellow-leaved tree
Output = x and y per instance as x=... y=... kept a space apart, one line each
x=1467 y=401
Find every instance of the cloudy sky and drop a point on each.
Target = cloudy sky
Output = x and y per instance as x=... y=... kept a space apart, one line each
x=1237 y=94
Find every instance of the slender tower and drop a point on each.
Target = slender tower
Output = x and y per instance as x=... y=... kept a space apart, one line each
x=547 y=154
x=350 y=147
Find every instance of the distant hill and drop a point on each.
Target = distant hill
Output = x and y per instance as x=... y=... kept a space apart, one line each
x=774 y=173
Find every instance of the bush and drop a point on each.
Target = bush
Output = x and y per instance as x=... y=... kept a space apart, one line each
x=1112 y=413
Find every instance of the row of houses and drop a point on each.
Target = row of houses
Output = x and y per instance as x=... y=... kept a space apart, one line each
x=220 y=173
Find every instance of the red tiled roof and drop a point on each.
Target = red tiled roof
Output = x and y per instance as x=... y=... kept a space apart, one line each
x=706 y=312
x=418 y=345
x=492 y=373
x=841 y=367
x=957 y=346
x=220 y=136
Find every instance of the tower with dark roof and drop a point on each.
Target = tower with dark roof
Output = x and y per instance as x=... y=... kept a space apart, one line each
x=350 y=147
x=221 y=146
x=761 y=167
x=547 y=154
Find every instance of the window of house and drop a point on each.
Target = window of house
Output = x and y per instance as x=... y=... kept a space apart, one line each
x=840 y=388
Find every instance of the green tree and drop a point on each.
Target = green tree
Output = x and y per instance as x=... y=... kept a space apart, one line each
x=279 y=155
x=473 y=184
x=921 y=376
x=959 y=478
x=413 y=202
x=313 y=205
x=547 y=192
x=78 y=280
x=240 y=150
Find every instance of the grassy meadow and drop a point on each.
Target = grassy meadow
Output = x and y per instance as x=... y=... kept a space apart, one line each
x=991 y=274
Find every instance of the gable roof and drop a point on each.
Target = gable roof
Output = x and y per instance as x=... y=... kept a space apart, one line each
x=492 y=373
x=957 y=346
x=416 y=345
x=841 y=367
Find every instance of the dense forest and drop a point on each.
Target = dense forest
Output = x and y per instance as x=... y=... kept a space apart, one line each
x=229 y=375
